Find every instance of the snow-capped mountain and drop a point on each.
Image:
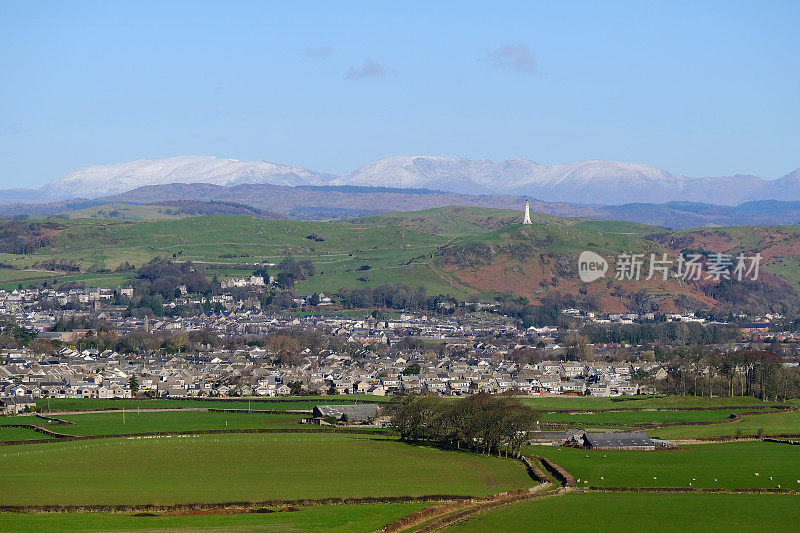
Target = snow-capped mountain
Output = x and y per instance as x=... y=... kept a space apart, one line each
x=595 y=182
x=101 y=180
x=784 y=188
x=584 y=182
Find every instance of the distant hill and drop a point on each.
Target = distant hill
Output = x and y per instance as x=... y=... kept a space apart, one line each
x=343 y=202
x=166 y=210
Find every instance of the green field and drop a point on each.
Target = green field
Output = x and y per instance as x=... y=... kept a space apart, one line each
x=750 y=425
x=327 y=518
x=293 y=402
x=9 y=275
x=643 y=402
x=637 y=417
x=115 y=423
x=733 y=465
x=11 y=434
x=225 y=468
x=642 y=512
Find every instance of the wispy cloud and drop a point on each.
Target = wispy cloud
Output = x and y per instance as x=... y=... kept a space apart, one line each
x=517 y=57
x=370 y=69
x=320 y=51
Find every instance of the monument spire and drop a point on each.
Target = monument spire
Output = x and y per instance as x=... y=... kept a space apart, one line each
x=527 y=219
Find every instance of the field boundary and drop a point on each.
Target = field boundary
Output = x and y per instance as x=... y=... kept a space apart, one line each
x=782 y=441
x=304 y=502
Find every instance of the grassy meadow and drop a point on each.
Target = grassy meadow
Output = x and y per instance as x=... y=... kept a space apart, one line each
x=731 y=465
x=588 y=403
x=750 y=425
x=635 y=417
x=8 y=434
x=276 y=404
x=596 y=512
x=225 y=468
x=112 y=423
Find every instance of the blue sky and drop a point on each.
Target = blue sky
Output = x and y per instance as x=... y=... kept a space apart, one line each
x=698 y=88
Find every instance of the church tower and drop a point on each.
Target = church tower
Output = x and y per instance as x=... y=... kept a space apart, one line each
x=527 y=219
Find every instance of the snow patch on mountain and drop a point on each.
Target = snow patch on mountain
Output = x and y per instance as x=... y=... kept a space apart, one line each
x=101 y=180
x=597 y=182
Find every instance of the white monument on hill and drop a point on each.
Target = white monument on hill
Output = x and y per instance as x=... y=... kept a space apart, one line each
x=527 y=219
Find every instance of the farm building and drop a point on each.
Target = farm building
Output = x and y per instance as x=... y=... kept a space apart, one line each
x=617 y=441
x=352 y=414
x=552 y=438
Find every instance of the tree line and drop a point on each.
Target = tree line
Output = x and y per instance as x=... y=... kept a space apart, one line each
x=392 y=296
x=758 y=373
x=481 y=422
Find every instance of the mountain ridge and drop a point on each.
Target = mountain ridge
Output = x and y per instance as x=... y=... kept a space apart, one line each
x=593 y=182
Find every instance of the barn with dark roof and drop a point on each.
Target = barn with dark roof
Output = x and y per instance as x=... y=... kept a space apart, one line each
x=618 y=441
x=352 y=414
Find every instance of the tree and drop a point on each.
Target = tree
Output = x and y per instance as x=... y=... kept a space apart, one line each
x=133 y=383
x=412 y=370
x=577 y=348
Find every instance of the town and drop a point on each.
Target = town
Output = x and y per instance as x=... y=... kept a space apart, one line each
x=237 y=350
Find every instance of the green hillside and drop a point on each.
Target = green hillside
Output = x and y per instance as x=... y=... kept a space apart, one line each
x=453 y=250
x=393 y=253
x=464 y=221
x=454 y=221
